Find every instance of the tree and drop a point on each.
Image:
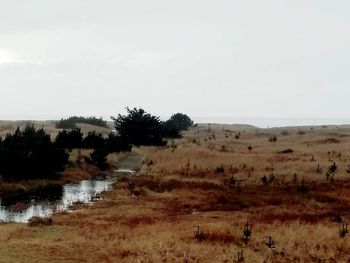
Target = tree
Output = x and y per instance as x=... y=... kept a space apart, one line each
x=181 y=121
x=177 y=123
x=115 y=143
x=139 y=127
x=171 y=130
x=99 y=157
x=30 y=154
x=69 y=139
x=93 y=140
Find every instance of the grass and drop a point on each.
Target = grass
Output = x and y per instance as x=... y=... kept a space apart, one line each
x=178 y=192
x=49 y=126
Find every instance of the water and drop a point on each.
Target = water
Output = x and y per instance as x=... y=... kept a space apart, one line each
x=55 y=200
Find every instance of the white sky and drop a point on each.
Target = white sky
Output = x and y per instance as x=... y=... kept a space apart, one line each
x=271 y=58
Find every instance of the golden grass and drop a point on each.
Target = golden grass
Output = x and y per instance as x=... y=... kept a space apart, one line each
x=50 y=127
x=178 y=189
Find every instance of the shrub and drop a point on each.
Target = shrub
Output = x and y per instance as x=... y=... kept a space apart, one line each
x=69 y=139
x=170 y=130
x=331 y=171
x=99 y=157
x=139 y=127
x=319 y=169
x=247 y=232
x=232 y=181
x=302 y=188
x=273 y=138
x=267 y=180
x=198 y=234
x=270 y=243
x=219 y=169
x=177 y=123
x=181 y=121
x=93 y=140
x=343 y=230
x=240 y=256
x=30 y=154
x=115 y=143
x=70 y=123
x=131 y=187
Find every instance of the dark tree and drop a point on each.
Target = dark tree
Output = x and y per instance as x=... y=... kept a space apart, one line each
x=93 y=141
x=30 y=154
x=69 y=139
x=115 y=143
x=181 y=121
x=99 y=157
x=171 y=130
x=139 y=127
x=177 y=123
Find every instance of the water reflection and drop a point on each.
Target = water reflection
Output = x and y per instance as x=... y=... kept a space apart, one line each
x=44 y=203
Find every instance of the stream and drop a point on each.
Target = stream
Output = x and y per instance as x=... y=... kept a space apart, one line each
x=56 y=200
x=61 y=198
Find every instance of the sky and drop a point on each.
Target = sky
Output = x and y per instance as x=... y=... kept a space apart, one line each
x=246 y=59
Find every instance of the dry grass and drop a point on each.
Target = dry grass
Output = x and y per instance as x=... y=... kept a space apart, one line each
x=178 y=189
x=50 y=127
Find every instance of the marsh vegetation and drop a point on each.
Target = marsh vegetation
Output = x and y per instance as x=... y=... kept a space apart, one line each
x=258 y=200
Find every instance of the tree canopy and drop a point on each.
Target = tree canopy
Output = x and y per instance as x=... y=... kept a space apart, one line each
x=139 y=127
x=177 y=123
x=181 y=121
x=69 y=139
x=30 y=154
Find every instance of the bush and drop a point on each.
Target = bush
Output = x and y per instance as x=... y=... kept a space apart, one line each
x=182 y=121
x=139 y=127
x=116 y=143
x=171 y=130
x=219 y=169
x=69 y=139
x=30 y=154
x=99 y=157
x=178 y=122
x=273 y=138
x=93 y=140
x=70 y=123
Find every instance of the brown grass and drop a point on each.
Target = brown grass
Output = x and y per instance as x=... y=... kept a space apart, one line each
x=299 y=209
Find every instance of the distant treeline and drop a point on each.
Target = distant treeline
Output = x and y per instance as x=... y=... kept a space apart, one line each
x=31 y=153
x=71 y=122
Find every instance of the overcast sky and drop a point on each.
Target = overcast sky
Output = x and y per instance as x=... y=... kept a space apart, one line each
x=204 y=58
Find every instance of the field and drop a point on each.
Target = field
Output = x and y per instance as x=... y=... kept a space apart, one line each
x=193 y=199
x=49 y=126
